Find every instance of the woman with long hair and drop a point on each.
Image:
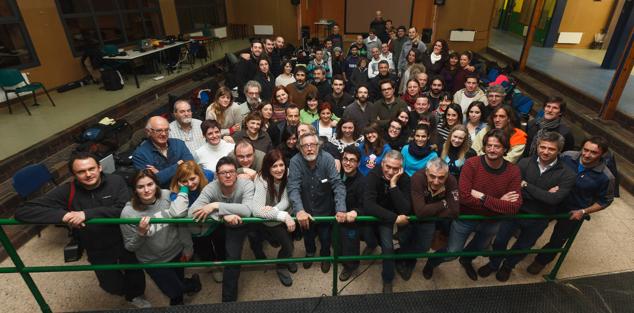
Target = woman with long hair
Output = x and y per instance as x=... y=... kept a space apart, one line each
x=504 y=118
x=281 y=100
x=475 y=118
x=346 y=134
x=373 y=149
x=412 y=67
x=449 y=71
x=464 y=68
x=457 y=149
x=268 y=125
x=288 y=143
x=209 y=241
x=270 y=202
x=451 y=118
x=286 y=77
x=418 y=152
x=435 y=59
x=158 y=243
x=412 y=91
x=265 y=78
x=225 y=112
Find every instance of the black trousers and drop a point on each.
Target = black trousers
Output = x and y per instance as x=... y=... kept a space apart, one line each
x=212 y=246
x=234 y=241
x=128 y=283
x=279 y=234
x=171 y=281
x=350 y=243
x=562 y=231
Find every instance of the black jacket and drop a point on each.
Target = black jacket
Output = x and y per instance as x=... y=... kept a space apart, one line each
x=384 y=202
x=107 y=200
x=355 y=187
x=375 y=86
x=532 y=128
x=338 y=104
x=535 y=196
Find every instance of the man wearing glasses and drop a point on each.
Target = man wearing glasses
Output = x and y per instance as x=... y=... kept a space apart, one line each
x=314 y=188
x=495 y=98
x=228 y=198
x=159 y=153
x=387 y=107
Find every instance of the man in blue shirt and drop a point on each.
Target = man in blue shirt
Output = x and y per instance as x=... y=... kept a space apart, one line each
x=158 y=153
x=593 y=192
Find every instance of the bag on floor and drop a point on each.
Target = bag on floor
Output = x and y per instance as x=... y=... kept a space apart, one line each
x=112 y=79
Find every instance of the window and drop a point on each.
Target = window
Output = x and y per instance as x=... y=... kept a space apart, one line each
x=16 y=49
x=91 y=23
x=195 y=15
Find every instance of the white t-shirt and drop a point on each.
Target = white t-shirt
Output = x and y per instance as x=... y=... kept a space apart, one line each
x=207 y=155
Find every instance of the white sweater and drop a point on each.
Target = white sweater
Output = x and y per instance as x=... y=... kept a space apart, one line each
x=207 y=155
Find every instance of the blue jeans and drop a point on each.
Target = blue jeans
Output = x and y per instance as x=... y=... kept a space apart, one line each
x=349 y=244
x=416 y=238
x=530 y=231
x=323 y=230
x=387 y=247
x=460 y=231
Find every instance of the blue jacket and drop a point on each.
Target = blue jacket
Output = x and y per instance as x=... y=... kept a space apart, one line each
x=365 y=159
x=412 y=164
x=147 y=154
x=593 y=185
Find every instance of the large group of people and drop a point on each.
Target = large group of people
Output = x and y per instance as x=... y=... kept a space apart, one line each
x=390 y=130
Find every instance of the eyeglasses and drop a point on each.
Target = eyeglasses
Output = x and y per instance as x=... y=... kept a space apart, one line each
x=349 y=160
x=395 y=127
x=386 y=89
x=160 y=131
x=227 y=173
x=309 y=145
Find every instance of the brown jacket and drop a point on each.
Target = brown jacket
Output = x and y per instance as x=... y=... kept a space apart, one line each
x=425 y=204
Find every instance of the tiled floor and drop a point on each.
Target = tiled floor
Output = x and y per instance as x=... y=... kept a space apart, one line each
x=20 y=131
x=578 y=72
x=604 y=245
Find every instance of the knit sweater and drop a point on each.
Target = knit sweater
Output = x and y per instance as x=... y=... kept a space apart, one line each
x=425 y=204
x=238 y=202
x=494 y=183
x=162 y=242
x=232 y=116
x=281 y=209
x=207 y=155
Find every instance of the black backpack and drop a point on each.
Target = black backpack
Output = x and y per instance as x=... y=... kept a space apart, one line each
x=111 y=79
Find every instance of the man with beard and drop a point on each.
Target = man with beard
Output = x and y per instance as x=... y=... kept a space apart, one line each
x=554 y=109
x=186 y=128
x=314 y=188
x=252 y=92
x=386 y=108
x=320 y=81
x=360 y=111
x=301 y=88
x=436 y=87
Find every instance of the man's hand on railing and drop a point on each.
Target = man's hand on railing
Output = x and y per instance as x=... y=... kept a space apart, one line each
x=577 y=215
x=340 y=217
x=144 y=226
x=351 y=216
x=232 y=219
x=201 y=214
x=304 y=219
x=75 y=219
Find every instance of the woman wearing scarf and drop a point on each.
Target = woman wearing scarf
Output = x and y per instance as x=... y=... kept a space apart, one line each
x=418 y=152
x=412 y=91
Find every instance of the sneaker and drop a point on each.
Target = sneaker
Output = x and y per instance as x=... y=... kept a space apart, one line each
x=307 y=265
x=387 y=287
x=216 y=274
x=471 y=272
x=404 y=270
x=325 y=267
x=285 y=277
x=345 y=274
x=428 y=270
x=535 y=268
x=140 y=303
x=485 y=270
x=368 y=251
x=503 y=274
x=192 y=285
x=292 y=267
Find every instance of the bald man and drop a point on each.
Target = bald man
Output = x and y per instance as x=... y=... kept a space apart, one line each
x=159 y=153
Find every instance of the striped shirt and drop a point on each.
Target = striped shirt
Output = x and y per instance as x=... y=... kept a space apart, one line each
x=193 y=138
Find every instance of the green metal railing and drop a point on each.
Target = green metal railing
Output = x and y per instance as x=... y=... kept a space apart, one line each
x=335 y=259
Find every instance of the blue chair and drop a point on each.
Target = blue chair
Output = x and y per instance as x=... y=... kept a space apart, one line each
x=522 y=104
x=9 y=78
x=30 y=179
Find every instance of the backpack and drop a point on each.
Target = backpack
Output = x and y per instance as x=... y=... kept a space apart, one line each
x=102 y=140
x=112 y=79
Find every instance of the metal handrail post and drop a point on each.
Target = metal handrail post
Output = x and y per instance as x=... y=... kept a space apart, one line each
x=336 y=245
x=560 y=260
x=28 y=280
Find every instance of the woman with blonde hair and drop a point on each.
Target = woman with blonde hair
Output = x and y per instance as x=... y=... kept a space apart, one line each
x=457 y=149
x=209 y=243
x=225 y=112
